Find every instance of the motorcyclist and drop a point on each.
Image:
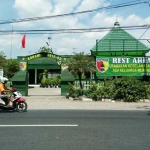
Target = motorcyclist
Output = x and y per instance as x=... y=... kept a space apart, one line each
x=3 y=91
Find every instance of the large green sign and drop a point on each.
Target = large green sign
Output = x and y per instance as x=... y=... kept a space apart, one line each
x=122 y=66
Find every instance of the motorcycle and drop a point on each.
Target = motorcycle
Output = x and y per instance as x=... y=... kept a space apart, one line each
x=19 y=104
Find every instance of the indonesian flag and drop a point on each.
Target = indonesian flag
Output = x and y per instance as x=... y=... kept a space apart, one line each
x=23 y=42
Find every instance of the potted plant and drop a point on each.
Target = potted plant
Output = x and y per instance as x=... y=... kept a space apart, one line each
x=58 y=81
x=46 y=82
x=50 y=82
x=55 y=82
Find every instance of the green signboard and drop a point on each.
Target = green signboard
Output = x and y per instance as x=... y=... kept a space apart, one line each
x=122 y=66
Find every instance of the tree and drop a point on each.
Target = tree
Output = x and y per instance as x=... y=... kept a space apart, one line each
x=12 y=67
x=80 y=64
x=3 y=62
x=2 y=54
x=45 y=49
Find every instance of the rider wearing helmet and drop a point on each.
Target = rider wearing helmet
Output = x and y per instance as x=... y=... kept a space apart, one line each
x=4 y=90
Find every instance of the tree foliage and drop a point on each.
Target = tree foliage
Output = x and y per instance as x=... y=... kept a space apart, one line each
x=45 y=49
x=3 y=62
x=12 y=67
x=128 y=89
x=2 y=54
x=80 y=64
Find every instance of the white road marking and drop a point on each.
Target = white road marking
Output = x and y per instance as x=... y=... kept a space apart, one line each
x=42 y=125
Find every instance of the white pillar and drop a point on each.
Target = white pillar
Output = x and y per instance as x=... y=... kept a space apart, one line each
x=35 y=81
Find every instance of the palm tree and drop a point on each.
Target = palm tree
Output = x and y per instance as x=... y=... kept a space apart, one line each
x=80 y=64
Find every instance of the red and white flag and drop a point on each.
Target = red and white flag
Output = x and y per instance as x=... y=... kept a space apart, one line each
x=23 y=42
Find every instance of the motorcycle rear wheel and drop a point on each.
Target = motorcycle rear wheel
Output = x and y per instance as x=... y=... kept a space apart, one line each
x=21 y=107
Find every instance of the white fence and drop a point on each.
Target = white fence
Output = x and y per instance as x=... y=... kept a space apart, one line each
x=86 y=84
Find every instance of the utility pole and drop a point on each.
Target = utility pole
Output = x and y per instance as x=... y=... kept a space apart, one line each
x=11 y=42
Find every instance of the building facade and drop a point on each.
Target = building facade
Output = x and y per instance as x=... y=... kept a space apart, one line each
x=116 y=54
x=120 y=54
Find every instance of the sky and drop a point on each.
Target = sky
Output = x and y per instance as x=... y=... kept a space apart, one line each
x=67 y=43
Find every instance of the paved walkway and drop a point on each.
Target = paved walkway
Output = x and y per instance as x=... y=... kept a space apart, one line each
x=49 y=98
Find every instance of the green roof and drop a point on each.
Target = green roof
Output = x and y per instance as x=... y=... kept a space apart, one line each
x=66 y=75
x=118 y=42
x=19 y=76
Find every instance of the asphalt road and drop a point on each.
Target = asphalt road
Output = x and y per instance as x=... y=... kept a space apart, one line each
x=75 y=130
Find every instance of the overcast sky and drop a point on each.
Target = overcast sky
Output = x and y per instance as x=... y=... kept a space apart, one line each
x=63 y=44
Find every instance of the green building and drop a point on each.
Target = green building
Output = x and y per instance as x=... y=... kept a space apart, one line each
x=120 y=54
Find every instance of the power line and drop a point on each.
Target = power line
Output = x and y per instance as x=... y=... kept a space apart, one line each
x=62 y=31
x=76 y=13
x=144 y=32
x=77 y=29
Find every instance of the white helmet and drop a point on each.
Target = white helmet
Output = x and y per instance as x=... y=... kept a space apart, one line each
x=3 y=79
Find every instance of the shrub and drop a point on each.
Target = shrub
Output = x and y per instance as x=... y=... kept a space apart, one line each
x=129 y=89
x=93 y=92
x=147 y=85
x=71 y=90
x=107 y=90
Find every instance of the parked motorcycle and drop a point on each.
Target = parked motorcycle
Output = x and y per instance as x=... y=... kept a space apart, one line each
x=19 y=104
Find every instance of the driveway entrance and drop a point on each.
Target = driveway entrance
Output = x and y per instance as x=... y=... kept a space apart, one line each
x=38 y=91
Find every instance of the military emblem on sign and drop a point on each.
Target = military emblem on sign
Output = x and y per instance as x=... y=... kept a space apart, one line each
x=23 y=66
x=102 y=64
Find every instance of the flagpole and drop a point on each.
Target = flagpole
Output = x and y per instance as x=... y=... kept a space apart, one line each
x=11 y=42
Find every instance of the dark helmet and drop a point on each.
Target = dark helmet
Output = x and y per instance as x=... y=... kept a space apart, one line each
x=14 y=89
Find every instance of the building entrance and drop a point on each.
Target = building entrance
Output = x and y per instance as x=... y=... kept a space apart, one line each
x=32 y=70
x=35 y=75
